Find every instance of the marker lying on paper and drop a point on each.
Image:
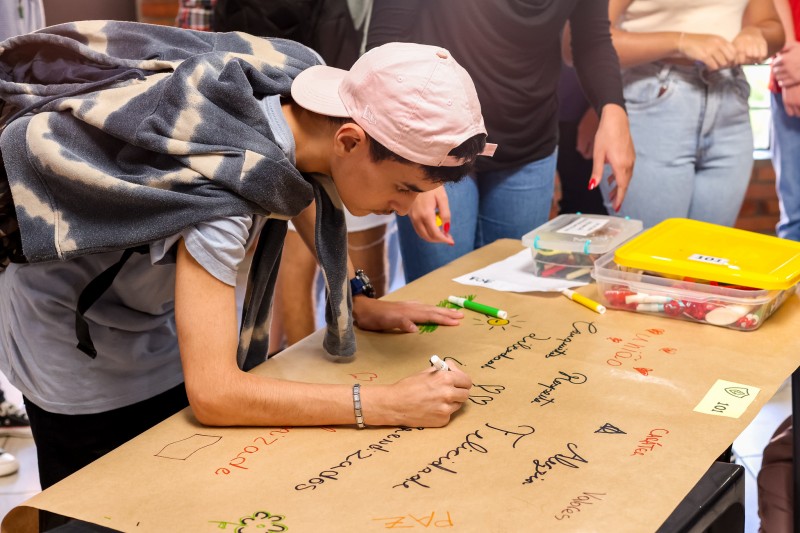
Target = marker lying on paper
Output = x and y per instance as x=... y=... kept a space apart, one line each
x=438 y=363
x=583 y=300
x=475 y=306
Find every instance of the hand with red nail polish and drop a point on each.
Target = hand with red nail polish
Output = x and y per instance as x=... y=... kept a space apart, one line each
x=423 y=215
x=613 y=145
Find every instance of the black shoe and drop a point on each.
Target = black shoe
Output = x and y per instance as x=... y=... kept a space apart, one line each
x=13 y=421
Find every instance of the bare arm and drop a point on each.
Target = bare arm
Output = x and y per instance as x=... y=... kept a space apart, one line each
x=222 y=395
x=639 y=48
x=762 y=20
x=785 y=15
x=645 y=47
x=380 y=315
x=786 y=65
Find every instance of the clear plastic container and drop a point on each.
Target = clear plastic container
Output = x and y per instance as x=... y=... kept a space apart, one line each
x=733 y=307
x=681 y=248
x=567 y=246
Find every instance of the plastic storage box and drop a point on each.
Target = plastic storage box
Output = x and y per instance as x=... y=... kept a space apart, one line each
x=701 y=272
x=567 y=246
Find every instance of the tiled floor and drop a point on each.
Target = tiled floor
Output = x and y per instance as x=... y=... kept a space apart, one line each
x=25 y=483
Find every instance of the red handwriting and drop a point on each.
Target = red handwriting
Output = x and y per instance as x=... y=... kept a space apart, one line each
x=643 y=371
x=426 y=521
x=270 y=438
x=650 y=441
x=668 y=351
x=365 y=376
x=575 y=505
x=633 y=349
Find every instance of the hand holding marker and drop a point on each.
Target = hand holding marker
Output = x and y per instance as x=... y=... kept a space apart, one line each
x=438 y=363
x=475 y=306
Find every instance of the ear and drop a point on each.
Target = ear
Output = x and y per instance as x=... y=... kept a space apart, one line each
x=349 y=139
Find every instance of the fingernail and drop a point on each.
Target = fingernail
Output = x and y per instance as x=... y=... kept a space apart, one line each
x=446 y=228
x=592 y=185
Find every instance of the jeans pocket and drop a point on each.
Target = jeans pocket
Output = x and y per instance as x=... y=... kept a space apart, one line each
x=646 y=91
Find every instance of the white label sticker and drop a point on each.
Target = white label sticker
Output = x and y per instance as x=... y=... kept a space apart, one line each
x=708 y=259
x=726 y=398
x=583 y=226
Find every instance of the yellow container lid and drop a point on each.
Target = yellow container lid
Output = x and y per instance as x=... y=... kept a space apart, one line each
x=679 y=247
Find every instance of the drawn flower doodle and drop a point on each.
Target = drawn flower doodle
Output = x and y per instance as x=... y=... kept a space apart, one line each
x=261 y=522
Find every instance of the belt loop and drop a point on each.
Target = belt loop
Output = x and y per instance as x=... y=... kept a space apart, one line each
x=705 y=75
x=663 y=73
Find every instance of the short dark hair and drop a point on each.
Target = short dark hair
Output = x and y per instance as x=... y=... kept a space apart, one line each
x=467 y=151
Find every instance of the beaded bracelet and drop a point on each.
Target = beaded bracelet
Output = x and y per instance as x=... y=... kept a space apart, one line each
x=357 y=406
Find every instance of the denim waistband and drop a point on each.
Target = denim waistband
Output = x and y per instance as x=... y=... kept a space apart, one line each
x=696 y=73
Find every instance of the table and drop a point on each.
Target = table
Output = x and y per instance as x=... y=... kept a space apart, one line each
x=577 y=421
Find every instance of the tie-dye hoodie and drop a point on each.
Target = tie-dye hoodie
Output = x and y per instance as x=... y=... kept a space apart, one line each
x=121 y=134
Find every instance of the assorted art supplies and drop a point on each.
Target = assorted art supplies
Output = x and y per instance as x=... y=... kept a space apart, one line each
x=701 y=272
x=567 y=246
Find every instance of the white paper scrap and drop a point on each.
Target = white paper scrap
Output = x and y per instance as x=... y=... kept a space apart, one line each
x=515 y=274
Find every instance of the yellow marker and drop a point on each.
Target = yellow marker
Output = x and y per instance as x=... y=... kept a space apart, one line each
x=583 y=300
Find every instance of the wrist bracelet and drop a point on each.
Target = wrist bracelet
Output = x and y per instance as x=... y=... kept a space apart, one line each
x=357 y=406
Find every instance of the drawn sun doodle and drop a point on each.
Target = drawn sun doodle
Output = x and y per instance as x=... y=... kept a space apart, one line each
x=495 y=322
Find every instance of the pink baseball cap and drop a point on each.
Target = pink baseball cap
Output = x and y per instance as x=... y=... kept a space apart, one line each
x=414 y=99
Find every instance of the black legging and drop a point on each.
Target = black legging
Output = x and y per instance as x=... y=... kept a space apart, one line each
x=67 y=443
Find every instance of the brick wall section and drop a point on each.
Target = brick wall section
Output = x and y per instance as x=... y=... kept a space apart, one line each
x=759 y=211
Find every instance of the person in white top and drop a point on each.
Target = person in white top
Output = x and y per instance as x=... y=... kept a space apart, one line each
x=687 y=101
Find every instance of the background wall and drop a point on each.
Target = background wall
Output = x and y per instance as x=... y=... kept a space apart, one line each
x=58 y=11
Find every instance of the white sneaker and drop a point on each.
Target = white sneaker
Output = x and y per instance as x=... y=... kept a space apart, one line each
x=8 y=463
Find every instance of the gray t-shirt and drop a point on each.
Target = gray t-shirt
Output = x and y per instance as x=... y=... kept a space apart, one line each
x=132 y=324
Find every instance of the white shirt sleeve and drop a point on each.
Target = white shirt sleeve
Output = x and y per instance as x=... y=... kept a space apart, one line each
x=218 y=245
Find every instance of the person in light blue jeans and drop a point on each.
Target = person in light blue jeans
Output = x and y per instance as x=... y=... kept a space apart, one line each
x=693 y=140
x=785 y=86
x=785 y=150
x=686 y=97
x=480 y=204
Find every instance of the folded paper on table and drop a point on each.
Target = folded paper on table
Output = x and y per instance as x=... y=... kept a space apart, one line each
x=515 y=274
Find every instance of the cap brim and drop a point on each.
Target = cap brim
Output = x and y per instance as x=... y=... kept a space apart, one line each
x=317 y=89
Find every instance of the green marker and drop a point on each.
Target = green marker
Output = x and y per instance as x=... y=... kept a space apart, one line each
x=475 y=306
